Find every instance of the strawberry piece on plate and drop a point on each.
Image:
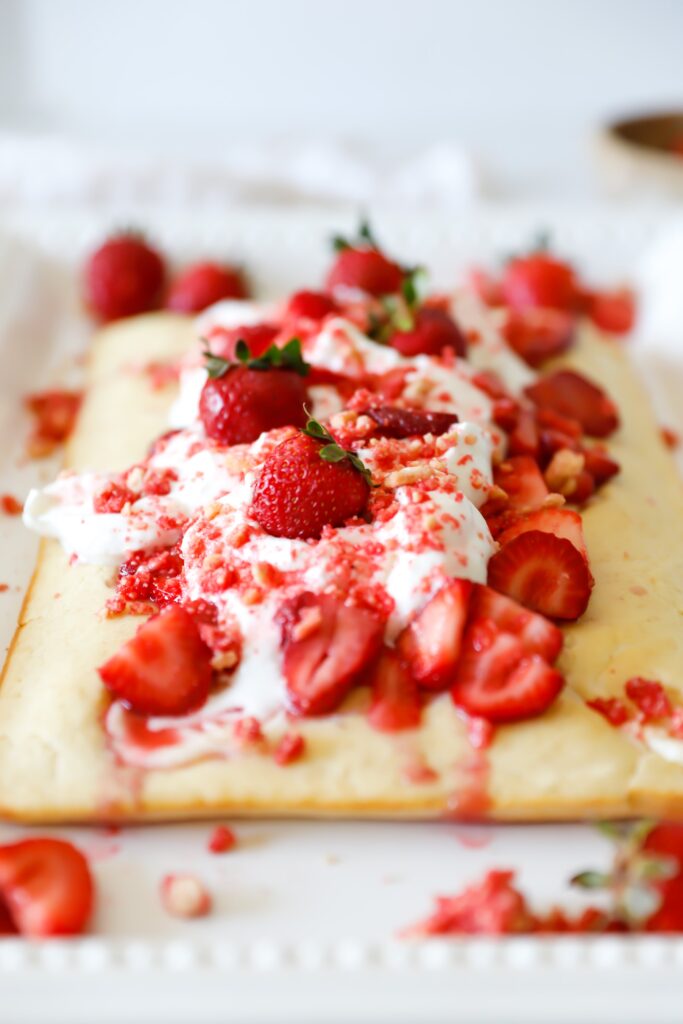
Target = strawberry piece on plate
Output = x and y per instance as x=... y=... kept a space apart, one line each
x=572 y=395
x=537 y=634
x=497 y=679
x=613 y=312
x=164 y=669
x=430 y=644
x=539 y=280
x=563 y=522
x=46 y=887
x=125 y=276
x=395 y=700
x=538 y=334
x=544 y=572
x=394 y=422
x=326 y=644
x=522 y=481
x=432 y=332
x=306 y=484
x=203 y=284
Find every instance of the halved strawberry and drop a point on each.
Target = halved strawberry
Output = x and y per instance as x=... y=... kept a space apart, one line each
x=497 y=680
x=395 y=701
x=537 y=634
x=325 y=644
x=430 y=644
x=571 y=394
x=543 y=572
x=563 y=522
x=164 y=669
x=522 y=481
x=523 y=438
x=600 y=466
x=538 y=334
x=395 y=422
x=46 y=887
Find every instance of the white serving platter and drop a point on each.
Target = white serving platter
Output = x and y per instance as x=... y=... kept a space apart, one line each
x=306 y=914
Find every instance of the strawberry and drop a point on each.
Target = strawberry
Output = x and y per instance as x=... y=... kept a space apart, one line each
x=430 y=644
x=308 y=482
x=433 y=331
x=222 y=341
x=600 y=466
x=543 y=572
x=539 y=280
x=492 y=906
x=291 y=748
x=523 y=437
x=485 y=285
x=360 y=265
x=46 y=887
x=496 y=678
x=573 y=395
x=55 y=414
x=395 y=422
x=222 y=840
x=164 y=669
x=203 y=284
x=307 y=305
x=650 y=697
x=522 y=481
x=536 y=634
x=613 y=312
x=665 y=840
x=611 y=708
x=125 y=276
x=395 y=701
x=326 y=644
x=563 y=522
x=238 y=403
x=537 y=334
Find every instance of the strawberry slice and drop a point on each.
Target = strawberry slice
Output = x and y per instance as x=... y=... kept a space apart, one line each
x=613 y=312
x=395 y=701
x=430 y=644
x=45 y=887
x=497 y=680
x=600 y=466
x=573 y=395
x=537 y=634
x=537 y=334
x=544 y=572
x=326 y=644
x=165 y=669
x=522 y=481
x=563 y=522
x=395 y=422
x=523 y=437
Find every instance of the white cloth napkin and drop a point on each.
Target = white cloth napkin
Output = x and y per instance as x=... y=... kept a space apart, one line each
x=43 y=169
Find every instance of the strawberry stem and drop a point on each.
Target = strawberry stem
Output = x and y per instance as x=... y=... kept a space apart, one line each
x=331 y=451
x=287 y=357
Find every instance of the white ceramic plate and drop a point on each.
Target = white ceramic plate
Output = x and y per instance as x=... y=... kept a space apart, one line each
x=305 y=914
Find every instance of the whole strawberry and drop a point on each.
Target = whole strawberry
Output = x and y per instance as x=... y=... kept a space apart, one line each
x=309 y=482
x=431 y=331
x=361 y=265
x=125 y=276
x=203 y=284
x=240 y=401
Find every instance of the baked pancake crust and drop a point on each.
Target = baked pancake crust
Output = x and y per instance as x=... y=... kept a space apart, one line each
x=54 y=762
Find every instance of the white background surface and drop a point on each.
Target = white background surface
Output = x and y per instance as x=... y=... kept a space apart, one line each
x=521 y=83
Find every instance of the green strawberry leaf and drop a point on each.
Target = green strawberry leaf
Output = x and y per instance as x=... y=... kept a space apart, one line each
x=591 y=880
x=274 y=358
x=331 y=451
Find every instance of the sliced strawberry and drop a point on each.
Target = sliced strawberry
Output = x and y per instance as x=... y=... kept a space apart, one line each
x=325 y=644
x=46 y=887
x=395 y=700
x=613 y=312
x=490 y=383
x=551 y=420
x=497 y=680
x=600 y=466
x=538 y=334
x=394 y=422
x=563 y=522
x=522 y=481
x=523 y=438
x=543 y=572
x=537 y=634
x=573 y=395
x=430 y=644
x=164 y=669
